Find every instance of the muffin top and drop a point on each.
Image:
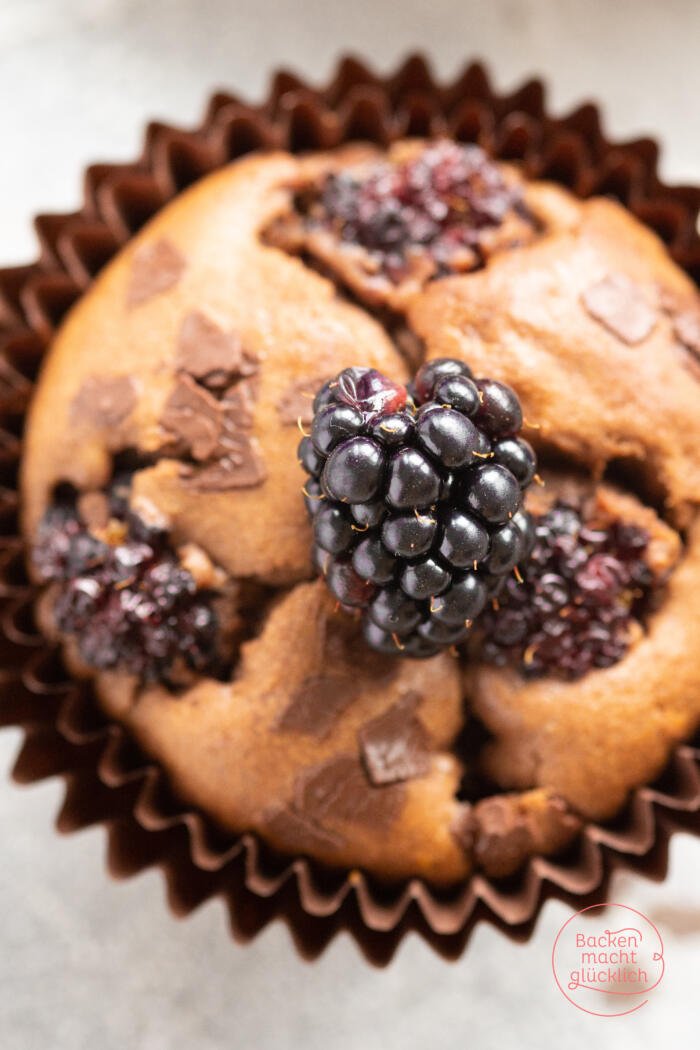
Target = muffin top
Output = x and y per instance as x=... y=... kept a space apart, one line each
x=164 y=505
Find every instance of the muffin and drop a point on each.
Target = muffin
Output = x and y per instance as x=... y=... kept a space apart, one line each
x=164 y=506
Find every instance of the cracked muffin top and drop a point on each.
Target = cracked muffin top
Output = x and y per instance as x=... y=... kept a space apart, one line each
x=390 y=641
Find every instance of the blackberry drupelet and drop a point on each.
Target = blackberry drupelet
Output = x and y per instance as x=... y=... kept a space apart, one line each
x=416 y=522
x=582 y=587
x=123 y=594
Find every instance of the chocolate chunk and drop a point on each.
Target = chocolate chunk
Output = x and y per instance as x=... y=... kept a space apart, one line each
x=317 y=703
x=621 y=307
x=212 y=431
x=395 y=746
x=295 y=833
x=211 y=354
x=193 y=416
x=296 y=402
x=502 y=836
x=241 y=467
x=104 y=401
x=502 y=831
x=154 y=269
x=238 y=403
x=686 y=328
x=339 y=790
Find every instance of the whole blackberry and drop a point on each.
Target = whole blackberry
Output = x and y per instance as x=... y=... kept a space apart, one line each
x=125 y=596
x=415 y=500
x=582 y=587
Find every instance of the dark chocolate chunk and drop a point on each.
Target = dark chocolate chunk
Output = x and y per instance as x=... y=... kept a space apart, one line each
x=104 y=401
x=154 y=269
x=338 y=790
x=502 y=838
x=395 y=746
x=501 y=832
x=211 y=354
x=296 y=833
x=621 y=307
x=213 y=432
x=193 y=416
x=241 y=467
x=317 y=703
x=238 y=403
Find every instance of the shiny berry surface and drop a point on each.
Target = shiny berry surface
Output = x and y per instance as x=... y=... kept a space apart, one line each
x=332 y=425
x=518 y=456
x=499 y=413
x=448 y=437
x=413 y=480
x=353 y=472
x=370 y=392
x=434 y=372
x=492 y=493
x=415 y=523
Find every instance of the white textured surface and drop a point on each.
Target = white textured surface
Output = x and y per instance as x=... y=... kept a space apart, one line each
x=87 y=963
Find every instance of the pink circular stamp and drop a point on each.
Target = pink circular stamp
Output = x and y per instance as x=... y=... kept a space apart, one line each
x=607 y=959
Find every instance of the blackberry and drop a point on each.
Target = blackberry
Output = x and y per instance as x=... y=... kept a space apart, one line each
x=416 y=522
x=582 y=587
x=439 y=202
x=125 y=597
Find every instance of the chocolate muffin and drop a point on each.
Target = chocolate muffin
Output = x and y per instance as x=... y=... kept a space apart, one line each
x=173 y=515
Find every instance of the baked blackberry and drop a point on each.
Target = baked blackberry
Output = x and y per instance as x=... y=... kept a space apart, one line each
x=123 y=593
x=440 y=200
x=583 y=587
x=416 y=500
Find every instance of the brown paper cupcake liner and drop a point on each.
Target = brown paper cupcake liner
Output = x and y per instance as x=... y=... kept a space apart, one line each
x=108 y=780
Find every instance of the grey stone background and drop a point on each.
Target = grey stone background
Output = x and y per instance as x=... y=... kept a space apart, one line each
x=86 y=963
